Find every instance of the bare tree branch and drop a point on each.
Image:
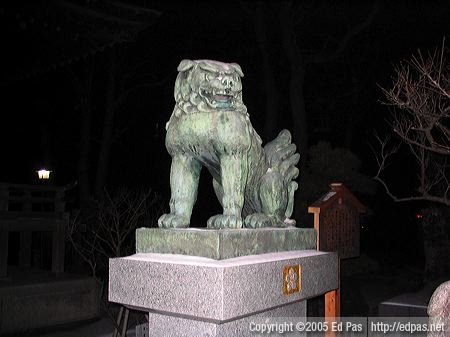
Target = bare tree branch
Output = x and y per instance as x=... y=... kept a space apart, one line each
x=105 y=230
x=420 y=93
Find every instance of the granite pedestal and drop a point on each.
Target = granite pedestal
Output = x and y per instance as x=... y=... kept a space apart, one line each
x=189 y=295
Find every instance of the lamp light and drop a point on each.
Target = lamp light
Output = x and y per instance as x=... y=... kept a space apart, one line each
x=43 y=174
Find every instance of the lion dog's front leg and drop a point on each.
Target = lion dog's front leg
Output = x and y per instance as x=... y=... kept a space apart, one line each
x=184 y=176
x=233 y=168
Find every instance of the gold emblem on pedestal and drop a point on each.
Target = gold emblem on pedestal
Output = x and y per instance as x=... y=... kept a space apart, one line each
x=292 y=279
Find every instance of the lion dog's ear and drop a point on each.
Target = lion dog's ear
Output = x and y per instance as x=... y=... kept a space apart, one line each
x=185 y=65
x=237 y=68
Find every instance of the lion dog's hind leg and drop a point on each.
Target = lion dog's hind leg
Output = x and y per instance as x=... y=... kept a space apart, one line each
x=184 y=176
x=273 y=196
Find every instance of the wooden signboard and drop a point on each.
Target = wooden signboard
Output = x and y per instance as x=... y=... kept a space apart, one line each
x=336 y=220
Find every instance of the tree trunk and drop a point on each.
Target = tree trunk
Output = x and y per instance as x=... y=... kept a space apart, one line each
x=108 y=124
x=83 y=164
x=85 y=132
x=270 y=121
x=83 y=87
x=297 y=78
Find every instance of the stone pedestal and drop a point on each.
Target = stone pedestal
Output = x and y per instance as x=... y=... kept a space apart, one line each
x=219 y=244
x=162 y=325
x=197 y=296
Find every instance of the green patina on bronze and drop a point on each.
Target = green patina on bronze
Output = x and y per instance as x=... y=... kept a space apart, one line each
x=210 y=127
x=223 y=244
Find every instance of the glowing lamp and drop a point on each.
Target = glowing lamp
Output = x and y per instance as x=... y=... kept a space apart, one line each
x=43 y=174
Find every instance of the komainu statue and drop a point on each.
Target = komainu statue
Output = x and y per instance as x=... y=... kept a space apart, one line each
x=210 y=127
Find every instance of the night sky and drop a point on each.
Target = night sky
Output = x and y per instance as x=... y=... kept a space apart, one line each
x=41 y=110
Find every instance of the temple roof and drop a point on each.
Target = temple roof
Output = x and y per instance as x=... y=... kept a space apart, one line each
x=44 y=35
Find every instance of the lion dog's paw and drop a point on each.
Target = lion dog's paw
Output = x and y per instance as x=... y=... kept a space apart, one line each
x=258 y=220
x=224 y=221
x=173 y=221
